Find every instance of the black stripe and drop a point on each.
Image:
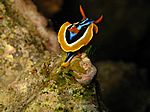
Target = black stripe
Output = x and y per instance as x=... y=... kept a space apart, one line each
x=76 y=37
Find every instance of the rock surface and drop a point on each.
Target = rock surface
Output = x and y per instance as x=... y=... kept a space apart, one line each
x=31 y=79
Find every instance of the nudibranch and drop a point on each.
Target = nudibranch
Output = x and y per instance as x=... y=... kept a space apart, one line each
x=72 y=37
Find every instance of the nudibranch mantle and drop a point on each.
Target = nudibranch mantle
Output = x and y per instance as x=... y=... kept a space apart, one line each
x=74 y=36
x=74 y=42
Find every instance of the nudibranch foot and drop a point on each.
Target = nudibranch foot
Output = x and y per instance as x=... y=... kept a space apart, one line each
x=65 y=64
x=69 y=57
x=78 y=55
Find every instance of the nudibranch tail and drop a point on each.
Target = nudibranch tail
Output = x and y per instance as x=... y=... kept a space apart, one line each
x=65 y=64
x=69 y=57
x=82 y=12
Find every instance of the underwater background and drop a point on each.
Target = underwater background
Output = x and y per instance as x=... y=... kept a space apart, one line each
x=121 y=48
x=31 y=78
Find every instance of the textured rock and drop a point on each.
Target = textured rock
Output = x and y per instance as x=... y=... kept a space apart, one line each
x=31 y=79
x=28 y=10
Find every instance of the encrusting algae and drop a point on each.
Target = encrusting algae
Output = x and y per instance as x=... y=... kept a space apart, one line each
x=31 y=78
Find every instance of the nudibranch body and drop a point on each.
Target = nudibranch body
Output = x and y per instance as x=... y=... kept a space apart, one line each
x=74 y=36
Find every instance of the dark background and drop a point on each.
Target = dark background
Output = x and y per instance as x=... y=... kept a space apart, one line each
x=123 y=36
x=124 y=32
